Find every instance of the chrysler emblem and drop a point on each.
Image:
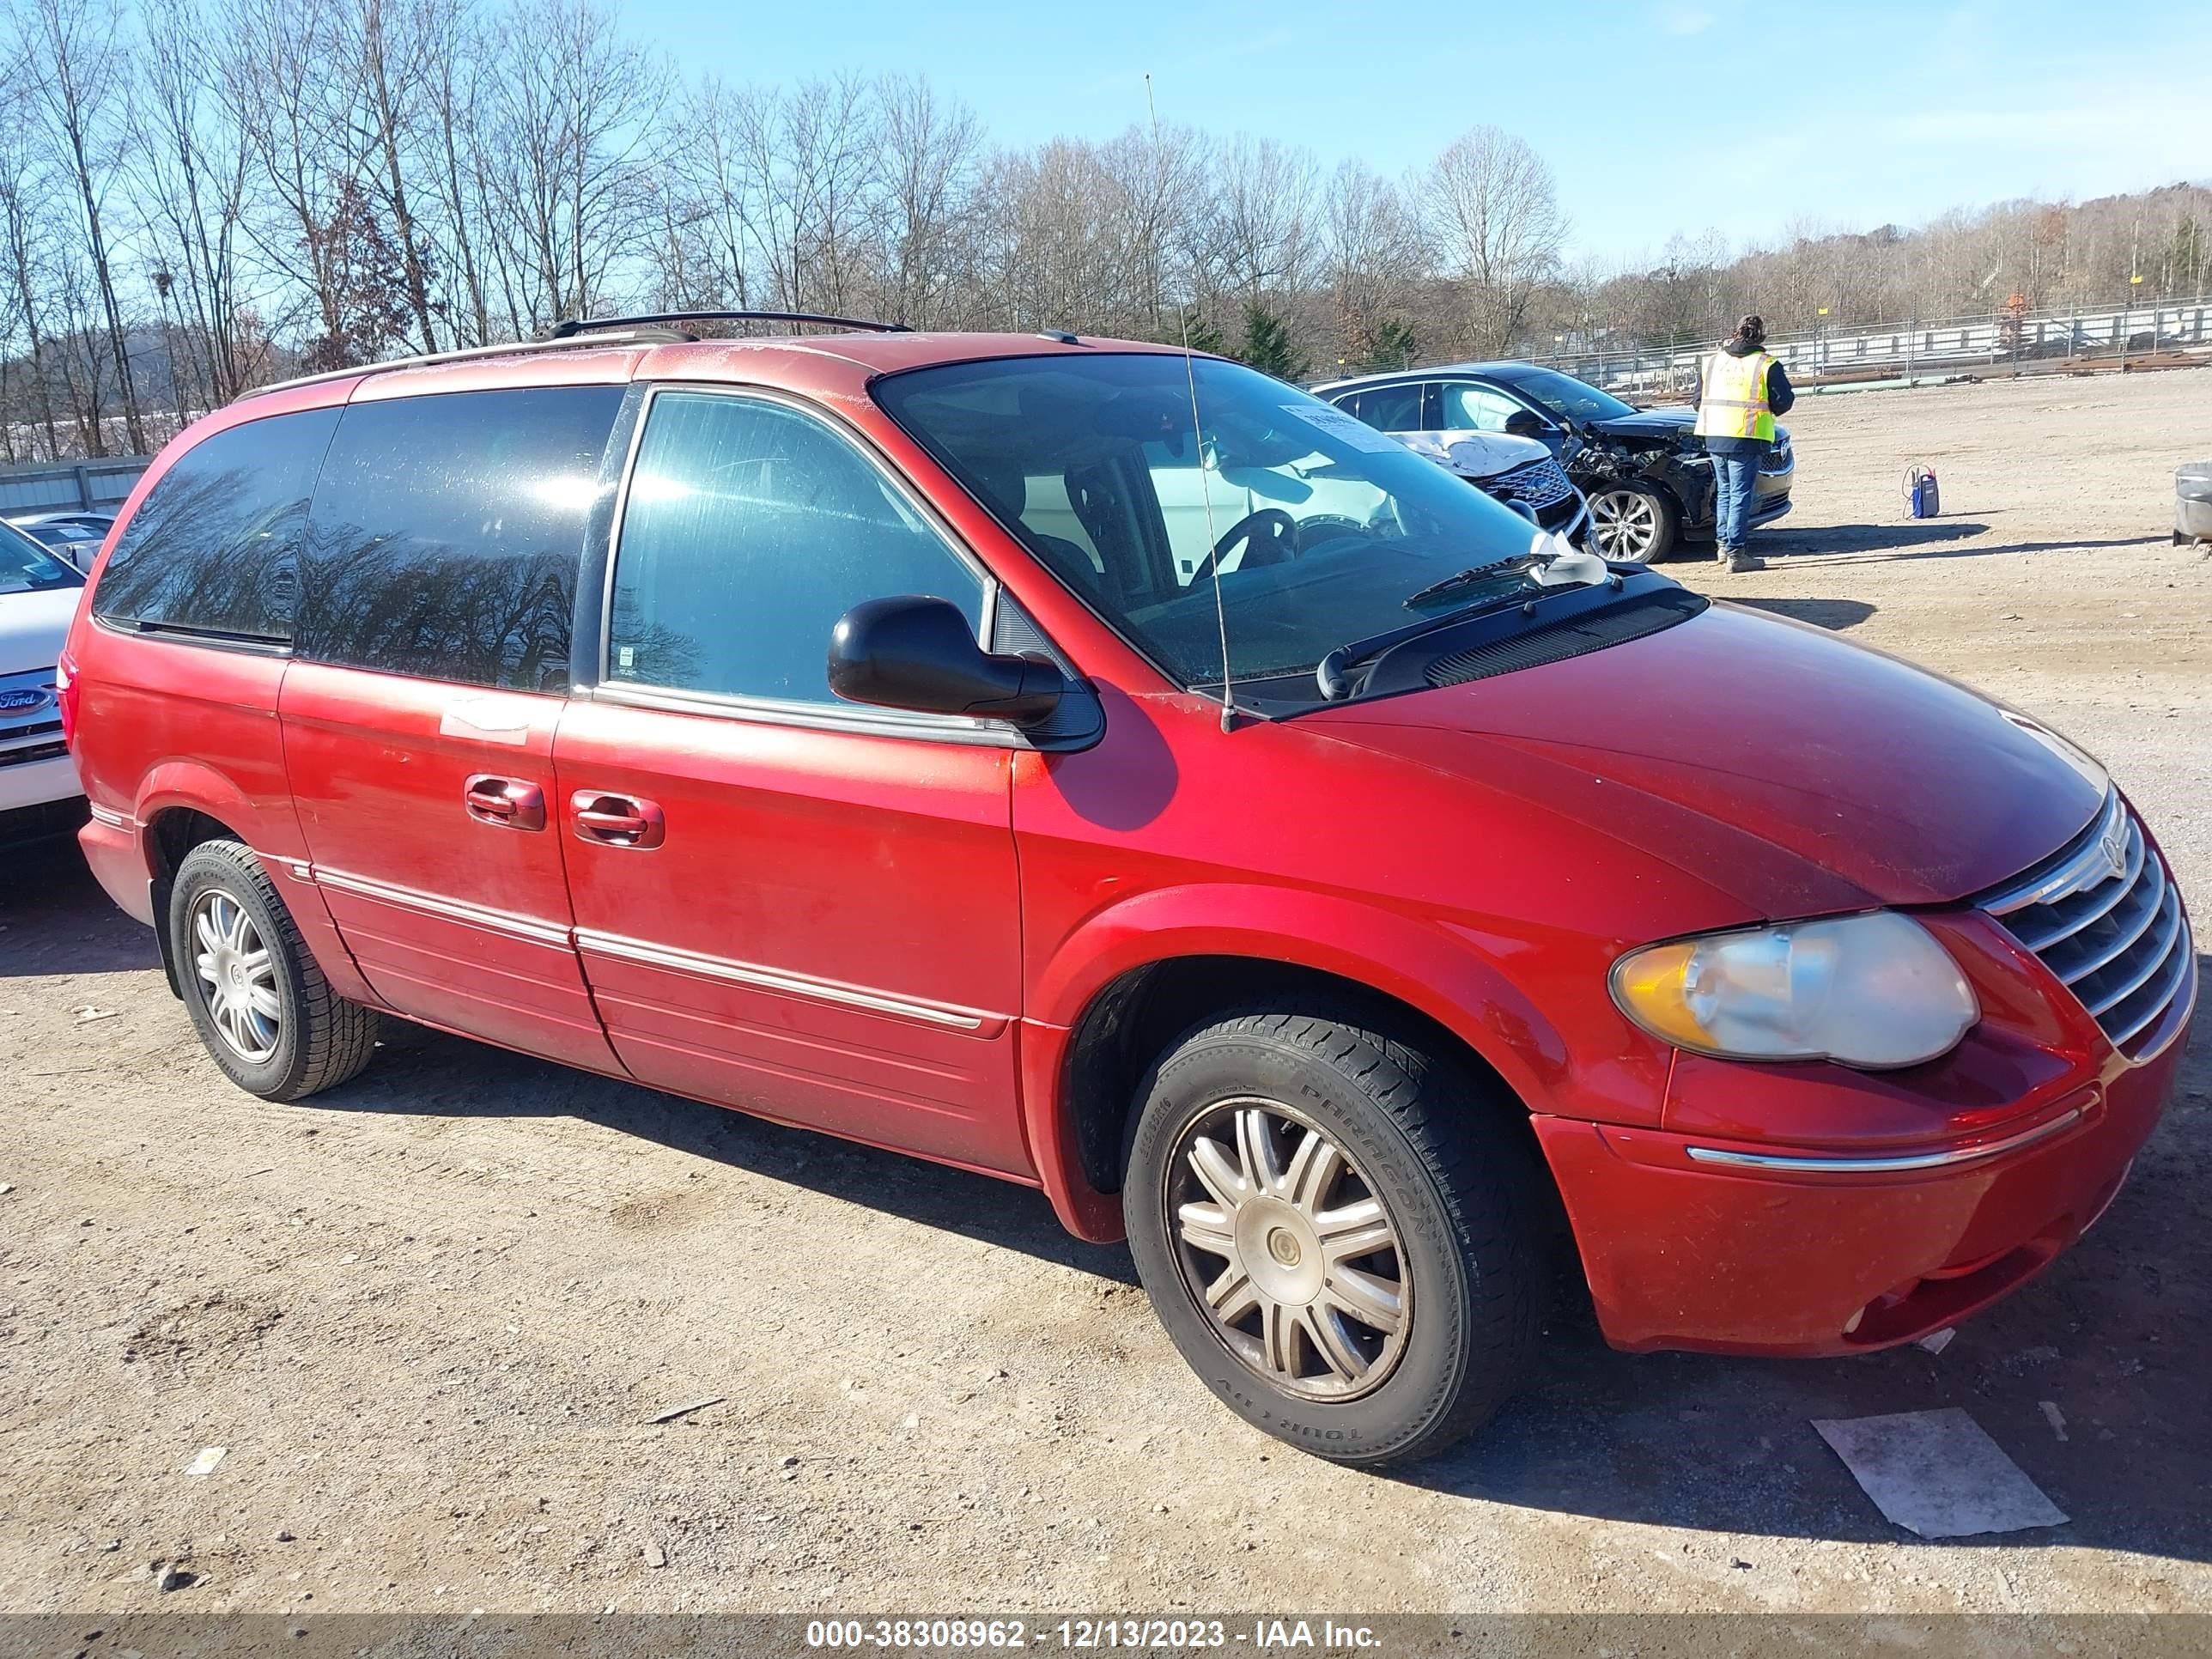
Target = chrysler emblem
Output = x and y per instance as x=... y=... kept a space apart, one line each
x=2115 y=846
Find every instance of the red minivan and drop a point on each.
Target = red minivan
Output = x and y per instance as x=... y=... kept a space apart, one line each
x=1126 y=775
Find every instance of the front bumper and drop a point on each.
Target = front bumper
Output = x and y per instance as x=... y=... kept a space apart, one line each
x=35 y=782
x=1774 y=1257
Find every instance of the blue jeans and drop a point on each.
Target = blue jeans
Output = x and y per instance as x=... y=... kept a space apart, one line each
x=1735 y=475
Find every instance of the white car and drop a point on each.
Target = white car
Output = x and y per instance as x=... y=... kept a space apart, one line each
x=39 y=793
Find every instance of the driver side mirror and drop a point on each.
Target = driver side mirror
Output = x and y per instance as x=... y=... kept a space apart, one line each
x=921 y=654
x=1526 y=423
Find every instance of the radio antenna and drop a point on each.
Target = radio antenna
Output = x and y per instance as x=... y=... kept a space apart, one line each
x=1197 y=431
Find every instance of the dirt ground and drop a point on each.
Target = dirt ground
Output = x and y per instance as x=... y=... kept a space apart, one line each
x=431 y=1316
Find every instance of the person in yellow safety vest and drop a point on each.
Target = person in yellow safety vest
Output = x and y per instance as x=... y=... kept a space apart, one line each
x=1740 y=390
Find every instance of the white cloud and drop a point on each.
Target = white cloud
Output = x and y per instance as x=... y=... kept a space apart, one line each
x=1686 y=20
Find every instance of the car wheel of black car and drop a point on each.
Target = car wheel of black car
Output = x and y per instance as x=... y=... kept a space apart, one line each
x=1338 y=1229
x=1633 y=523
x=261 y=1006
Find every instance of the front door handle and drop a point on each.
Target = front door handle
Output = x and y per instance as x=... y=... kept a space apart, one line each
x=510 y=803
x=612 y=820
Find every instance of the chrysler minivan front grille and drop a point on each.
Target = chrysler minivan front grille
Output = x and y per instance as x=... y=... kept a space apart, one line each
x=2106 y=917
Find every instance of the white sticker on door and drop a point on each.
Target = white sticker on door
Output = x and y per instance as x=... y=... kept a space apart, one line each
x=488 y=719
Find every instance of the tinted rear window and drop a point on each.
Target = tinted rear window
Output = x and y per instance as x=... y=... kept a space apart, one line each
x=446 y=533
x=214 y=548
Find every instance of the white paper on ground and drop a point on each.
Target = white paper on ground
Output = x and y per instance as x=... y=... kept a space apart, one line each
x=1938 y=1474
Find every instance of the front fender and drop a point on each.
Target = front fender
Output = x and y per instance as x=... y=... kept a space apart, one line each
x=1427 y=964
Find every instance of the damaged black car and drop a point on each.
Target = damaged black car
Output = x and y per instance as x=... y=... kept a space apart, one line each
x=1648 y=478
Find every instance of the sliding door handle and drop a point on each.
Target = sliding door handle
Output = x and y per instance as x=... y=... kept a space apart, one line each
x=612 y=820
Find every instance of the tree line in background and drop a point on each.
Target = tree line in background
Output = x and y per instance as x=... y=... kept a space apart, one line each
x=200 y=196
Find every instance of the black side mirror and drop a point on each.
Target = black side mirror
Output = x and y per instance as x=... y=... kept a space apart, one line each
x=921 y=654
x=1526 y=423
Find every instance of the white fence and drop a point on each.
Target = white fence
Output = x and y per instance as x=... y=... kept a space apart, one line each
x=1952 y=345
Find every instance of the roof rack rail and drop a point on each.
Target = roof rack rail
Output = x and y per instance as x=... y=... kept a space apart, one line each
x=576 y=325
x=641 y=336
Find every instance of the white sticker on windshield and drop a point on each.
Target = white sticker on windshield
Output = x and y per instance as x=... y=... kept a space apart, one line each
x=1338 y=424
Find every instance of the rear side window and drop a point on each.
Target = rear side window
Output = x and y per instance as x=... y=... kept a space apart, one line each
x=1386 y=407
x=749 y=530
x=214 y=548
x=447 y=533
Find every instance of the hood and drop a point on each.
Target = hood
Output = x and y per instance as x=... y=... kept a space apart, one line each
x=1648 y=423
x=32 y=627
x=1475 y=454
x=1796 y=772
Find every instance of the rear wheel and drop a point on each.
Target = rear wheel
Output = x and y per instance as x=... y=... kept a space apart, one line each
x=1337 y=1232
x=1633 y=523
x=261 y=1006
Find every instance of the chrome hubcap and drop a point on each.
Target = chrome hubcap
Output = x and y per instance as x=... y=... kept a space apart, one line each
x=1288 y=1251
x=236 y=975
x=1625 y=523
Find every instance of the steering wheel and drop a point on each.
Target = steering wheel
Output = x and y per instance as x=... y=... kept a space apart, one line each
x=1272 y=533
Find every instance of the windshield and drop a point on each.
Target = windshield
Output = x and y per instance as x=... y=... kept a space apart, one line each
x=1324 y=528
x=26 y=567
x=1565 y=396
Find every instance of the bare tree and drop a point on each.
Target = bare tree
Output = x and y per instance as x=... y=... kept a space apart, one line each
x=1494 y=216
x=76 y=74
x=22 y=191
x=928 y=154
x=190 y=170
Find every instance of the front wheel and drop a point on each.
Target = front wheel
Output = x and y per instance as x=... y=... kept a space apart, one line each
x=1337 y=1232
x=1633 y=524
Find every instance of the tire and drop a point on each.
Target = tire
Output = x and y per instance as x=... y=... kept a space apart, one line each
x=1457 y=1196
x=1633 y=523
x=223 y=909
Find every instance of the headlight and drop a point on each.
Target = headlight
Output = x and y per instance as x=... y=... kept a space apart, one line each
x=1867 y=990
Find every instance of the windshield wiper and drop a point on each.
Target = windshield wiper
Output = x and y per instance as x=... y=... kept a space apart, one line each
x=1461 y=579
x=1551 y=575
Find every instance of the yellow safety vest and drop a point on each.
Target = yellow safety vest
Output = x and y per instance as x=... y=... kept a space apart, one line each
x=1733 y=402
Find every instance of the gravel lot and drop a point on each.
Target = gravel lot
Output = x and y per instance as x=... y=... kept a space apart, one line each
x=431 y=1316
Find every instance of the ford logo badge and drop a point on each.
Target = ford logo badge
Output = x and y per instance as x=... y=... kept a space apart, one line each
x=12 y=701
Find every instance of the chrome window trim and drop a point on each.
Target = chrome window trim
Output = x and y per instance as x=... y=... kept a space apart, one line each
x=1897 y=1164
x=789 y=984
x=780 y=711
x=857 y=718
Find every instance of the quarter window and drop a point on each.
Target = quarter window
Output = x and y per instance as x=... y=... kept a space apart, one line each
x=749 y=529
x=447 y=533
x=214 y=548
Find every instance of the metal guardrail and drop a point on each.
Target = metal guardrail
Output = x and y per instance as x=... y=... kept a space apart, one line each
x=1949 y=345
x=67 y=486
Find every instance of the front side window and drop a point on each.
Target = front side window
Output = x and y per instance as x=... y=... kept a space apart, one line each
x=1568 y=398
x=748 y=531
x=1471 y=408
x=1323 y=530
x=448 y=530
x=214 y=548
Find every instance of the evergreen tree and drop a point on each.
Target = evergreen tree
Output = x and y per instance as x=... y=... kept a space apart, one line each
x=1267 y=346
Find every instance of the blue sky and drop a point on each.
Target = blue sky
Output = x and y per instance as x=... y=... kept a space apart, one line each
x=1862 y=113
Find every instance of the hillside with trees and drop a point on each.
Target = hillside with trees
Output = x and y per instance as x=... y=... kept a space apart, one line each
x=200 y=195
